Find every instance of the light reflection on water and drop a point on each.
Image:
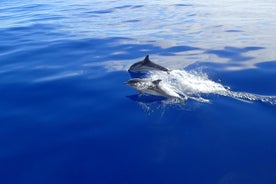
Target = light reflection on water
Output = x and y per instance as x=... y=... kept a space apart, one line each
x=216 y=25
x=233 y=34
x=66 y=116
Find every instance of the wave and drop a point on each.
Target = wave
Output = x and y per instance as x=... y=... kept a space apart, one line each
x=196 y=86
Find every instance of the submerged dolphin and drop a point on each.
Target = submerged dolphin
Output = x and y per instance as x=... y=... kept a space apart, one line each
x=145 y=86
x=146 y=65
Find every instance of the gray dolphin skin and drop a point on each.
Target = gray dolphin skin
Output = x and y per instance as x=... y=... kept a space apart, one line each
x=144 y=86
x=146 y=65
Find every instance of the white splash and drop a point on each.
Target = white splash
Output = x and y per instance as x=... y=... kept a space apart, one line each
x=193 y=85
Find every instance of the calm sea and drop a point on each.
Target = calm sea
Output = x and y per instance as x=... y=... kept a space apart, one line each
x=67 y=117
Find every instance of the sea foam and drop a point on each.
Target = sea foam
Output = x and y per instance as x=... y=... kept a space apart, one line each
x=194 y=85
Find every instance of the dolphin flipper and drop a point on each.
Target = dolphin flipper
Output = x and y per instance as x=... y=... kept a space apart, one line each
x=156 y=82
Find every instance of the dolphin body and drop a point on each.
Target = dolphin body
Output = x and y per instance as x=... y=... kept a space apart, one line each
x=145 y=86
x=146 y=65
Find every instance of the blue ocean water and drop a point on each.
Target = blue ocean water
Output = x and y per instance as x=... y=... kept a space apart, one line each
x=67 y=117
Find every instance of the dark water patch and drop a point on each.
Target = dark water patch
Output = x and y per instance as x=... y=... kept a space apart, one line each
x=267 y=66
x=234 y=31
x=40 y=100
x=31 y=32
x=133 y=21
x=251 y=80
x=29 y=7
x=45 y=18
x=253 y=48
x=128 y=7
x=101 y=11
x=137 y=6
x=22 y=7
x=191 y=15
x=6 y=48
x=183 y=5
x=123 y=7
x=115 y=9
x=176 y=49
x=146 y=98
x=234 y=54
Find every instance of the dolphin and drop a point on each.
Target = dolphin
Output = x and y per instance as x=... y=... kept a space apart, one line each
x=146 y=86
x=146 y=65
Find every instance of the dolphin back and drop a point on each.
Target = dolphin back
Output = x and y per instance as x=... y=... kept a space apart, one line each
x=146 y=65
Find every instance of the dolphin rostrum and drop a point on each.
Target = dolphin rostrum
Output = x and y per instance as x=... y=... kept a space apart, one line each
x=146 y=65
x=146 y=86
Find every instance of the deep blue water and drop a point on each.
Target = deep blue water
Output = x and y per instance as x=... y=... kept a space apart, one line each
x=67 y=117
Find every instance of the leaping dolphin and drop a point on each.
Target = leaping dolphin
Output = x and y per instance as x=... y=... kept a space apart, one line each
x=146 y=65
x=145 y=86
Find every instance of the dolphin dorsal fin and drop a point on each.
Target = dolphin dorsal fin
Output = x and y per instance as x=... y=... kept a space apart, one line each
x=156 y=82
x=146 y=60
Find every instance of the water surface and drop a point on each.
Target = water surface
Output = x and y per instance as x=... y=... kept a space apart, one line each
x=67 y=117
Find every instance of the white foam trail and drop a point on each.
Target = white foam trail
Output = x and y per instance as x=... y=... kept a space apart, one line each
x=193 y=85
x=252 y=97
